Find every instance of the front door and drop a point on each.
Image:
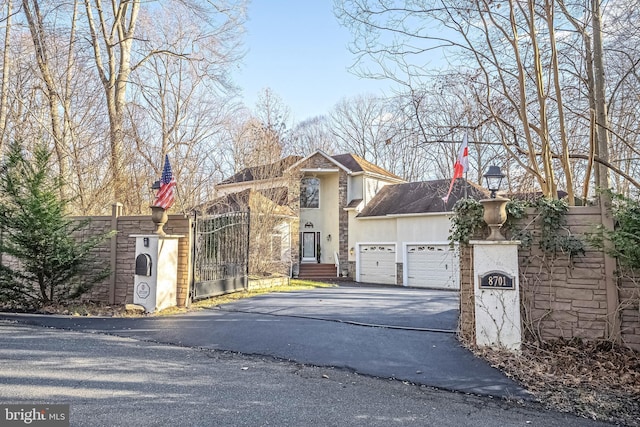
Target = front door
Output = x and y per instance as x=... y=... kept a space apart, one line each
x=309 y=246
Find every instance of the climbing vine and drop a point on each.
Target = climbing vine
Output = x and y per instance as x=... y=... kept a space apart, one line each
x=555 y=237
x=468 y=222
x=625 y=237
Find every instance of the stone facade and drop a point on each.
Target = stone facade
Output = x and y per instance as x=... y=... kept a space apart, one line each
x=562 y=298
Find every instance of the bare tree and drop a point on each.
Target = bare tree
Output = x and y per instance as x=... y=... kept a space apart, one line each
x=311 y=135
x=180 y=102
x=361 y=126
x=213 y=29
x=521 y=59
x=54 y=87
x=6 y=69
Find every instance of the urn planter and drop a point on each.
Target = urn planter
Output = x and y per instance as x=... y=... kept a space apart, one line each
x=159 y=217
x=495 y=214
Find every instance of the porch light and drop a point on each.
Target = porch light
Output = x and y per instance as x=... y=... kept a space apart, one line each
x=494 y=178
x=328 y=237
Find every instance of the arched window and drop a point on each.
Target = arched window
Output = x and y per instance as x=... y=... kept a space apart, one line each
x=310 y=193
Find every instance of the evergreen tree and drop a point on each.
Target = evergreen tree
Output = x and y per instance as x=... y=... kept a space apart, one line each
x=44 y=258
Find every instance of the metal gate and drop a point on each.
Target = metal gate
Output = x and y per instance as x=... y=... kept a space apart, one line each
x=220 y=254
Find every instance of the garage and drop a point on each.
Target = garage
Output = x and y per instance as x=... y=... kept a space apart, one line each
x=431 y=265
x=376 y=263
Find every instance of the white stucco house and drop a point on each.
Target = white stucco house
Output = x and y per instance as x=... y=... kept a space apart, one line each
x=356 y=216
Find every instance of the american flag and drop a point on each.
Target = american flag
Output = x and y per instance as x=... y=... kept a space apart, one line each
x=165 y=197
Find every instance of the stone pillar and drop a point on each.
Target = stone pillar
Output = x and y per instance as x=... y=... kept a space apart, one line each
x=116 y=211
x=156 y=271
x=497 y=294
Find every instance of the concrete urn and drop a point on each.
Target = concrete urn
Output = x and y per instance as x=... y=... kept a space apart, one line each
x=495 y=214
x=159 y=217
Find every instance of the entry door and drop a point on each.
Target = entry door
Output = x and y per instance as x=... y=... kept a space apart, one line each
x=308 y=246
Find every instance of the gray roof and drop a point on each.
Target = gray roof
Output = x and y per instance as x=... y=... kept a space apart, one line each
x=356 y=163
x=420 y=197
x=271 y=170
x=351 y=162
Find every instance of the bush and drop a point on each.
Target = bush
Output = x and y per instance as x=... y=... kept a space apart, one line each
x=42 y=262
x=623 y=242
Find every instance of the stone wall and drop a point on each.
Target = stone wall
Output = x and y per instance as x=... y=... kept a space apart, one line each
x=629 y=292
x=466 y=321
x=563 y=298
x=119 y=253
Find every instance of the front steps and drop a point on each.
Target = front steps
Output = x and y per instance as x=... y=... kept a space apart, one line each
x=319 y=272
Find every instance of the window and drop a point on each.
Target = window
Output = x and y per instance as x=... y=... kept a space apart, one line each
x=310 y=193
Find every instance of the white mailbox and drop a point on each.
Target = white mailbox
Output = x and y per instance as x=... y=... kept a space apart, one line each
x=156 y=271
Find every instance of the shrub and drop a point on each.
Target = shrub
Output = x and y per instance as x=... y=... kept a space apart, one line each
x=625 y=237
x=43 y=260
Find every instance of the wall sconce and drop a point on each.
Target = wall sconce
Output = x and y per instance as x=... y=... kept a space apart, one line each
x=351 y=251
x=328 y=237
x=494 y=178
x=308 y=224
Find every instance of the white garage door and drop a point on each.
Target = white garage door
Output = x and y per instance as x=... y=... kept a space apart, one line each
x=377 y=264
x=432 y=266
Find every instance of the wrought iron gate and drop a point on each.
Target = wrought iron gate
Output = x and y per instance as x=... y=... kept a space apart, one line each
x=220 y=254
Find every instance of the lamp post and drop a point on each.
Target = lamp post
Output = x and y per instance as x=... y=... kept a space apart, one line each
x=494 y=178
x=495 y=213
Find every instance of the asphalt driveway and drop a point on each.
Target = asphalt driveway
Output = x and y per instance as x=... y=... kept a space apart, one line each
x=386 y=332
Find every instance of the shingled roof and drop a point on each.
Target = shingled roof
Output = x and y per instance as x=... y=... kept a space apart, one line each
x=351 y=162
x=420 y=197
x=272 y=170
x=243 y=200
x=357 y=164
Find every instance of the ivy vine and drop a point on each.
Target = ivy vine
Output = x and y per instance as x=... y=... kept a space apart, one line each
x=625 y=237
x=553 y=220
x=468 y=223
x=467 y=220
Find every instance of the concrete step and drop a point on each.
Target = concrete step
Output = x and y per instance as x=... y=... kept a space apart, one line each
x=317 y=271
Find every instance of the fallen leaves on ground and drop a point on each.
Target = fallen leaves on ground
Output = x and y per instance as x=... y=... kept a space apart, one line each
x=595 y=380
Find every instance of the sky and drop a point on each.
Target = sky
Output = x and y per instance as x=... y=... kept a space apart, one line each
x=298 y=49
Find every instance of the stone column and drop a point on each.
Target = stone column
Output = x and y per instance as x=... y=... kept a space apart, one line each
x=497 y=294
x=156 y=271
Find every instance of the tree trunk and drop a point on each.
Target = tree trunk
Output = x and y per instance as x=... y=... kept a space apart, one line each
x=602 y=126
x=6 y=68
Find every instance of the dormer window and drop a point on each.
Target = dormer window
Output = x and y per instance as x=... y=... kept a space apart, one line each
x=310 y=193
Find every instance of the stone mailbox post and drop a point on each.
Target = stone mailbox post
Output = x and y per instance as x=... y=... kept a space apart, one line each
x=156 y=271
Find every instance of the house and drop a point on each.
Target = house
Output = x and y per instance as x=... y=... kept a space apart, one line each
x=401 y=237
x=357 y=218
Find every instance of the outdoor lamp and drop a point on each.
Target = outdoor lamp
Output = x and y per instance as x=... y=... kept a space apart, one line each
x=494 y=178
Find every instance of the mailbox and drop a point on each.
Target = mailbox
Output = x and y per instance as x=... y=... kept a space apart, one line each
x=143 y=265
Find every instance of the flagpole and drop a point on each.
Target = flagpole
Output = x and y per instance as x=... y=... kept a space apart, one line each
x=466 y=185
x=466 y=172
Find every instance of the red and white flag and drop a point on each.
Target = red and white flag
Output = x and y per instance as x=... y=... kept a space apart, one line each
x=165 y=197
x=461 y=165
